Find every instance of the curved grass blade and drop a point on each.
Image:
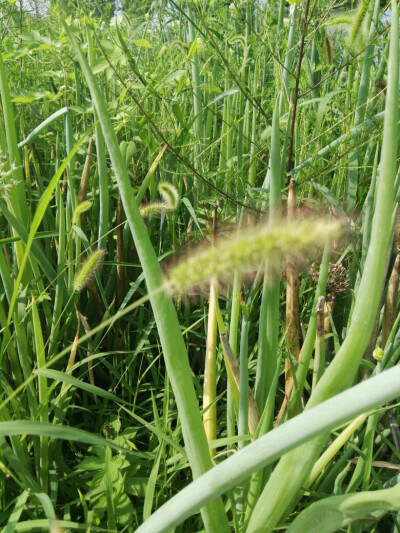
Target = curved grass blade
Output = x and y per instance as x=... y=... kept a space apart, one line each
x=331 y=514
x=174 y=349
x=320 y=419
x=31 y=427
x=75 y=382
x=43 y=203
x=41 y=126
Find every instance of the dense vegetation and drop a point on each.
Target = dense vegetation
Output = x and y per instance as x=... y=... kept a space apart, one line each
x=199 y=249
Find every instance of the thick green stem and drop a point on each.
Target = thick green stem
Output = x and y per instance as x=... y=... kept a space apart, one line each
x=279 y=495
x=210 y=369
x=174 y=350
x=269 y=314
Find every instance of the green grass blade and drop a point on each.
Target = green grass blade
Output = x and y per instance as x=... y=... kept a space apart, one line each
x=17 y=193
x=331 y=514
x=75 y=382
x=43 y=204
x=164 y=312
x=43 y=396
x=269 y=315
x=42 y=125
x=16 y=512
x=31 y=427
x=47 y=505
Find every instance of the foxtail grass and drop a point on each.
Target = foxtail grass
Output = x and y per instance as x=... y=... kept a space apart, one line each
x=244 y=251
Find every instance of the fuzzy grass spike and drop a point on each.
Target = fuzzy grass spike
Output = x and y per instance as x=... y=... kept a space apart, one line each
x=247 y=249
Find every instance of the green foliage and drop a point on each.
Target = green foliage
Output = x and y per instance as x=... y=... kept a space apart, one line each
x=219 y=120
x=137 y=9
x=96 y=8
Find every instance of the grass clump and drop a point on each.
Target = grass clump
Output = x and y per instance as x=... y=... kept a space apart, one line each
x=128 y=141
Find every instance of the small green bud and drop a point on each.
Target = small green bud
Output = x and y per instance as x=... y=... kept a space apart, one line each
x=378 y=354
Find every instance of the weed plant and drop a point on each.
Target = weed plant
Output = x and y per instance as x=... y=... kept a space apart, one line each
x=199 y=261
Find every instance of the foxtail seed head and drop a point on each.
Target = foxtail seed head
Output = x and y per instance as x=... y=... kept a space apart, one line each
x=170 y=196
x=169 y=193
x=156 y=208
x=245 y=250
x=88 y=269
x=80 y=209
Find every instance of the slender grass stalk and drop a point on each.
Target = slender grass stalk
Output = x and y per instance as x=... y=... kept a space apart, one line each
x=269 y=313
x=243 y=414
x=167 y=323
x=367 y=215
x=364 y=463
x=292 y=298
x=233 y=371
x=287 y=68
x=9 y=351
x=17 y=192
x=60 y=283
x=265 y=422
x=319 y=358
x=210 y=369
x=111 y=524
x=101 y=164
x=334 y=449
x=280 y=16
x=120 y=254
x=253 y=133
x=390 y=312
x=43 y=397
x=72 y=202
x=359 y=115
x=150 y=174
x=233 y=342
x=197 y=92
